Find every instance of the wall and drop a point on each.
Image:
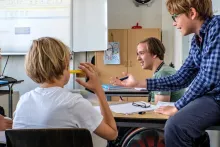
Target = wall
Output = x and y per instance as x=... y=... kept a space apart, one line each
x=167 y=33
x=177 y=55
x=123 y=14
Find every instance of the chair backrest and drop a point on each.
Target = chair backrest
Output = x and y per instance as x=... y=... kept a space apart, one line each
x=56 y=137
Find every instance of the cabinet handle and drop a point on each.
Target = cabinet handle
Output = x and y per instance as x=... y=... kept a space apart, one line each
x=126 y=63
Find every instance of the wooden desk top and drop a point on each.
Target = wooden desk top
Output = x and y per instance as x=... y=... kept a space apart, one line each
x=149 y=120
x=151 y=115
x=147 y=115
x=126 y=92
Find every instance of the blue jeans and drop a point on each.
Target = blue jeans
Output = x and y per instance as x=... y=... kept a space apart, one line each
x=190 y=122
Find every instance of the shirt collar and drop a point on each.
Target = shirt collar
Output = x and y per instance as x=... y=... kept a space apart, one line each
x=204 y=26
x=202 y=31
x=159 y=67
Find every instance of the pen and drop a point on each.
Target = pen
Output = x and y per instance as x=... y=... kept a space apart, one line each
x=121 y=98
x=124 y=78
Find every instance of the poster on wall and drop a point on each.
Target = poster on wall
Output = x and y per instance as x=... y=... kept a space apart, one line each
x=112 y=54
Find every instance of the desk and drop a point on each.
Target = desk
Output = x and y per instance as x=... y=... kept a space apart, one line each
x=148 y=120
x=10 y=84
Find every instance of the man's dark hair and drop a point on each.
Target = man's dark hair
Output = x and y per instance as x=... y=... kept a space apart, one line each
x=155 y=47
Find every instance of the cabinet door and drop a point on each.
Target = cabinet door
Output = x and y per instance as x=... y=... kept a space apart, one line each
x=134 y=37
x=107 y=71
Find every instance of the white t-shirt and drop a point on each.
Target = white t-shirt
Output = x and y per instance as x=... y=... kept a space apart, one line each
x=55 y=107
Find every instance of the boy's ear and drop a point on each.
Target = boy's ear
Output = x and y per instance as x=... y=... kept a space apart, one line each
x=193 y=14
x=154 y=56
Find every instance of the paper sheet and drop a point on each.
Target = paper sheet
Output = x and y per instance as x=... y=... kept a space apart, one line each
x=140 y=89
x=128 y=108
x=2 y=137
x=160 y=103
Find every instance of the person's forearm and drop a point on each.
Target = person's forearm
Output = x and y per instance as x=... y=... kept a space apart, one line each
x=142 y=84
x=163 y=98
x=105 y=110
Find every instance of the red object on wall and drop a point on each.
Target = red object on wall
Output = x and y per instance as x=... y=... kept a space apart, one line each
x=136 y=27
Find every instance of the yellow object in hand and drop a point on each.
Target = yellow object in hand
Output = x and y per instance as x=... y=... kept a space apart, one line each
x=78 y=72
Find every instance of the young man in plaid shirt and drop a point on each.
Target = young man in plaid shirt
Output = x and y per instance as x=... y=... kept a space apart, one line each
x=199 y=107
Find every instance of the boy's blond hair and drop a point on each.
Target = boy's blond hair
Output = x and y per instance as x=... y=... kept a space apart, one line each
x=46 y=60
x=203 y=7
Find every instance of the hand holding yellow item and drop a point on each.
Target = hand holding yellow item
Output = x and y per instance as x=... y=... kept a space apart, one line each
x=79 y=73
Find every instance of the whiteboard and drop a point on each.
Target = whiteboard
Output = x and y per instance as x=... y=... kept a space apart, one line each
x=25 y=20
x=90 y=30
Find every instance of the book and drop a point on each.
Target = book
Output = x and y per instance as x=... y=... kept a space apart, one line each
x=3 y=82
x=112 y=87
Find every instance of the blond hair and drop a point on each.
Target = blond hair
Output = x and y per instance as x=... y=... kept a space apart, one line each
x=203 y=7
x=46 y=60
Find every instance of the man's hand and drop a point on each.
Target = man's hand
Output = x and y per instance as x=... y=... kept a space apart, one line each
x=5 y=123
x=167 y=110
x=129 y=82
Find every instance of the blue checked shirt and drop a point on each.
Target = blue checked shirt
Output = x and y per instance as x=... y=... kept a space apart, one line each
x=201 y=70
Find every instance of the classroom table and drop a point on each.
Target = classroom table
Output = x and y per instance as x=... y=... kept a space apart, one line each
x=10 y=84
x=148 y=120
x=127 y=92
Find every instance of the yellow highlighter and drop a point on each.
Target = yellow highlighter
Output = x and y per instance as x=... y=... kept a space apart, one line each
x=79 y=73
